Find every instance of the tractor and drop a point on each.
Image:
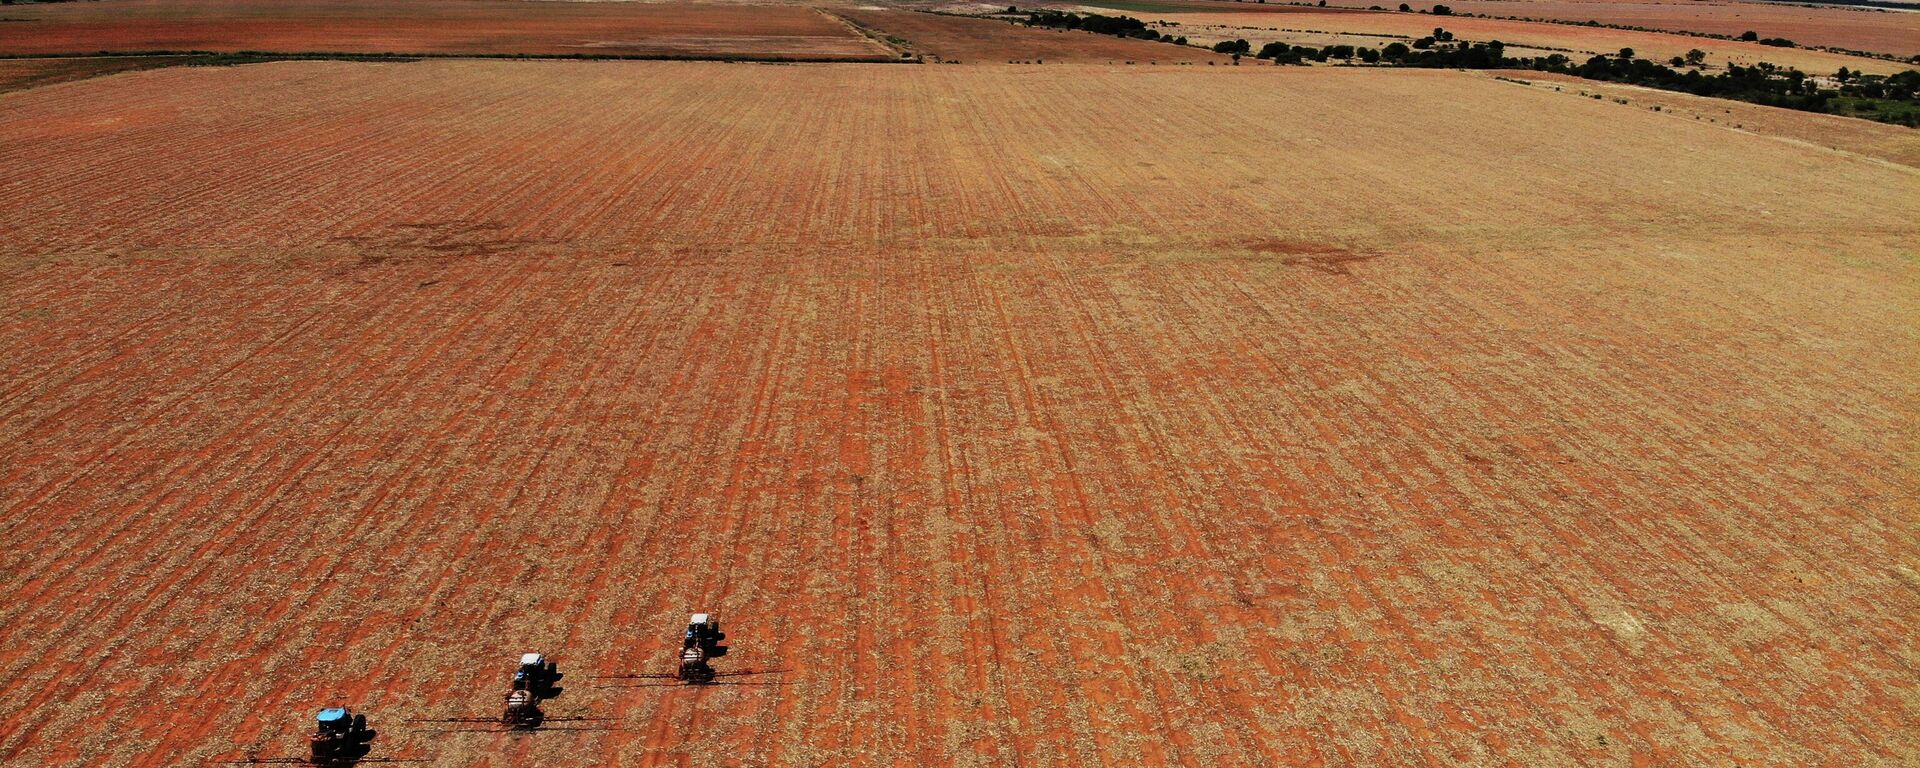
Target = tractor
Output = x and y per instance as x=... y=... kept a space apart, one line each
x=339 y=737
x=523 y=710
x=693 y=664
x=536 y=675
x=703 y=631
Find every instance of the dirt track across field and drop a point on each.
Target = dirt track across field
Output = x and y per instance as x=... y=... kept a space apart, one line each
x=1170 y=415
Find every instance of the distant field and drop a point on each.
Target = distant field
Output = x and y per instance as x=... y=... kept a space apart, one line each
x=19 y=74
x=1852 y=28
x=983 y=41
x=1878 y=31
x=1070 y=415
x=435 y=26
x=1854 y=136
x=1577 y=42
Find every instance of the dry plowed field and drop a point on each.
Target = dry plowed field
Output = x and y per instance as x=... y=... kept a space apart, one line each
x=1201 y=415
x=984 y=41
x=680 y=30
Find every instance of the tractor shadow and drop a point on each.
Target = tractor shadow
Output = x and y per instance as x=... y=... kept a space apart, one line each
x=553 y=689
x=354 y=754
x=715 y=645
x=351 y=756
x=664 y=680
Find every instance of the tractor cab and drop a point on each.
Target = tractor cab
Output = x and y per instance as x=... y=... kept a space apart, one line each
x=533 y=667
x=702 y=631
x=339 y=737
x=535 y=674
x=333 y=721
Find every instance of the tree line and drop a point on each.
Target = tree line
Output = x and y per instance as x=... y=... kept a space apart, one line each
x=1890 y=99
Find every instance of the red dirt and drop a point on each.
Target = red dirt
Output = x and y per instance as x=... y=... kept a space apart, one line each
x=985 y=41
x=435 y=26
x=980 y=400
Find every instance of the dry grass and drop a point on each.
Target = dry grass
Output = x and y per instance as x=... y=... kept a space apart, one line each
x=1863 y=29
x=1577 y=42
x=1066 y=415
x=1860 y=29
x=1854 y=136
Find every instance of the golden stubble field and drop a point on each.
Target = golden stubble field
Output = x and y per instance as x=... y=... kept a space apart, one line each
x=1304 y=25
x=1895 y=32
x=1055 y=415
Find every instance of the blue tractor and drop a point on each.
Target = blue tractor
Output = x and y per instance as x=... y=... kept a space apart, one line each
x=339 y=737
x=703 y=631
x=536 y=675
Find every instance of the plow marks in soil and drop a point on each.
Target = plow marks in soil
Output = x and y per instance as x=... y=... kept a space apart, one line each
x=1009 y=418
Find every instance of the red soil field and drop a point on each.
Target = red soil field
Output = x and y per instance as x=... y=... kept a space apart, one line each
x=436 y=26
x=1046 y=416
x=944 y=38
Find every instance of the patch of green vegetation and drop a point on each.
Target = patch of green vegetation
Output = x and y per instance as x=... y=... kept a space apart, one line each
x=1884 y=110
